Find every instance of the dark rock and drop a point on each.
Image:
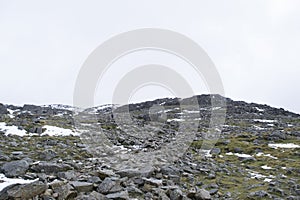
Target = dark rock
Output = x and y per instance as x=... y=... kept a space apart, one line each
x=63 y=190
x=26 y=191
x=45 y=167
x=3 y=109
x=202 y=194
x=119 y=195
x=260 y=194
x=92 y=196
x=15 y=168
x=109 y=185
x=215 y=151
x=48 y=154
x=82 y=186
x=176 y=194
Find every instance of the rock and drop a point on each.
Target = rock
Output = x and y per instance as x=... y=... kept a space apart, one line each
x=135 y=172
x=48 y=154
x=213 y=191
x=277 y=135
x=109 y=186
x=119 y=195
x=260 y=194
x=69 y=175
x=103 y=173
x=26 y=191
x=92 y=196
x=152 y=181
x=215 y=151
x=237 y=150
x=3 y=109
x=15 y=168
x=176 y=194
x=63 y=190
x=45 y=167
x=82 y=186
x=202 y=194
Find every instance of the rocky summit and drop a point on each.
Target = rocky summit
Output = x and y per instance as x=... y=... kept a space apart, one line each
x=203 y=147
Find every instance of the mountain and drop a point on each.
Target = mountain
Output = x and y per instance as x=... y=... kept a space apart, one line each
x=202 y=147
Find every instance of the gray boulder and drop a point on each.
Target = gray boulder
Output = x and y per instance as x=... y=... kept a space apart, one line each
x=26 y=191
x=15 y=168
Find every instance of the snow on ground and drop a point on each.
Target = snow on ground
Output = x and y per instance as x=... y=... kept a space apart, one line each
x=258 y=128
x=284 y=146
x=265 y=120
x=266 y=167
x=266 y=155
x=176 y=120
x=4 y=181
x=191 y=111
x=11 y=130
x=11 y=112
x=239 y=155
x=259 y=109
x=57 y=131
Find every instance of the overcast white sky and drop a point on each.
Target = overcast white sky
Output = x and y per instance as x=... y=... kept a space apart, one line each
x=254 y=44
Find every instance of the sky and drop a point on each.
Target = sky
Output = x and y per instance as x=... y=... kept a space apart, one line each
x=254 y=45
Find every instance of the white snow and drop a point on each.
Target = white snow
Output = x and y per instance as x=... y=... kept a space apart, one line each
x=57 y=131
x=239 y=155
x=258 y=128
x=266 y=155
x=191 y=111
x=256 y=175
x=11 y=130
x=266 y=167
x=4 y=181
x=284 y=146
x=268 y=180
x=11 y=112
x=265 y=120
x=259 y=109
x=176 y=120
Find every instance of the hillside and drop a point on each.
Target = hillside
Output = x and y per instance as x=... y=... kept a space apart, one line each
x=128 y=152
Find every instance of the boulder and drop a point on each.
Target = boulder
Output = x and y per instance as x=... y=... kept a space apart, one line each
x=15 y=168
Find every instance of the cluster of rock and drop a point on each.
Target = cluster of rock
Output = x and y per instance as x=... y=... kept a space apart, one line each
x=64 y=167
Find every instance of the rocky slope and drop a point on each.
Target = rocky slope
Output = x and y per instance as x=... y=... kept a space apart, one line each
x=44 y=154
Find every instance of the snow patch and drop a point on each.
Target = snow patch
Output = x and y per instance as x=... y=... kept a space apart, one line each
x=4 y=181
x=266 y=167
x=266 y=155
x=57 y=131
x=241 y=155
x=284 y=146
x=259 y=109
x=11 y=130
x=11 y=112
x=265 y=120
x=176 y=120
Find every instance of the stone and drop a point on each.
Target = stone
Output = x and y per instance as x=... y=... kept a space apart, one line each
x=63 y=190
x=48 y=154
x=152 y=181
x=109 y=185
x=259 y=194
x=25 y=191
x=202 y=194
x=123 y=195
x=91 y=196
x=82 y=186
x=46 y=167
x=15 y=168
x=176 y=194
